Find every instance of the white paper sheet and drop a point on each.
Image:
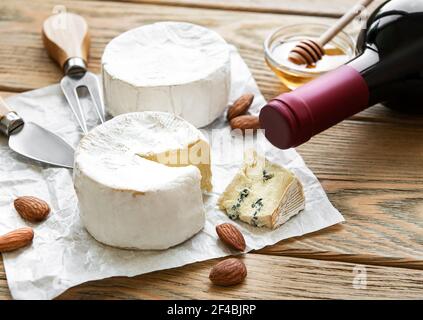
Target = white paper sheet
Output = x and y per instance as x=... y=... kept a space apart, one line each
x=63 y=254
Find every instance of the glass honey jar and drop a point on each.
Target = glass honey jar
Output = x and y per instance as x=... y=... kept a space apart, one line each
x=279 y=43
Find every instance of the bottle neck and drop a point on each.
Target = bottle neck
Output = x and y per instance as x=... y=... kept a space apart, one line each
x=383 y=73
x=366 y=64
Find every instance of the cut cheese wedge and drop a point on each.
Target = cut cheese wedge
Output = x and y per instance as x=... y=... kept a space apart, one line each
x=262 y=193
x=139 y=179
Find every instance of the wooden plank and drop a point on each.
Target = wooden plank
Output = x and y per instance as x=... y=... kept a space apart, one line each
x=269 y=277
x=383 y=227
x=4 y=289
x=326 y=8
x=367 y=151
x=350 y=152
x=373 y=173
x=342 y=153
x=2 y=271
x=382 y=202
x=28 y=66
x=381 y=113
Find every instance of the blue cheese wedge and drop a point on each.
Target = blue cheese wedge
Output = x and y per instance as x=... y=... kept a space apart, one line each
x=262 y=194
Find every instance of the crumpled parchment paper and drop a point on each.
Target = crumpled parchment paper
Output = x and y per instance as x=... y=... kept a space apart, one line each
x=63 y=254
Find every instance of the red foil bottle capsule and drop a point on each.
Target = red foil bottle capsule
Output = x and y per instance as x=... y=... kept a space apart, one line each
x=293 y=118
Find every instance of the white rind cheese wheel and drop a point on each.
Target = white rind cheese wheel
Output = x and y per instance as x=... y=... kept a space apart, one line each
x=174 y=67
x=128 y=200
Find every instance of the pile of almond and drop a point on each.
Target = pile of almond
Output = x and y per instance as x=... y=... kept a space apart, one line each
x=229 y=271
x=31 y=209
x=232 y=271
x=237 y=116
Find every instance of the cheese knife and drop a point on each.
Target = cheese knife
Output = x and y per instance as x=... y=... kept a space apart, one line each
x=33 y=141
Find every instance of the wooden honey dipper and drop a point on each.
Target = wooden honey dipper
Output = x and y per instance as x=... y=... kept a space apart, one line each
x=310 y=51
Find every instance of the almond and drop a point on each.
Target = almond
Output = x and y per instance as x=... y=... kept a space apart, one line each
x=16 y=239
x=240 y=106
x=245 y=122
x=230 y=235
x=32 y=208
x=228 y=272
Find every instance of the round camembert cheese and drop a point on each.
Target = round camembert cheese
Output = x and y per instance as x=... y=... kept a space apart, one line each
x=139 y=180
x=174 y=67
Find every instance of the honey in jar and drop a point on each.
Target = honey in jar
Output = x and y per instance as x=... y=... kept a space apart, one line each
x=279 y=44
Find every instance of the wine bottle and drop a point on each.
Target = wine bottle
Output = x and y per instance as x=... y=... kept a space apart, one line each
x=387 y=69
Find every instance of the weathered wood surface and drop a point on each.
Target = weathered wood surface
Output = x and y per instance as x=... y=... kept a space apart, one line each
x=370 y=165
x=28 y=66
x=269 y=277
x=327 y=8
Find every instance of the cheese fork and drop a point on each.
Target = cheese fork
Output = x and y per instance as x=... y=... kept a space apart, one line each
x=66 y=38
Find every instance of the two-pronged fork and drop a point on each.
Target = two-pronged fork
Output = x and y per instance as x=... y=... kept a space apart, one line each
x=66 y=38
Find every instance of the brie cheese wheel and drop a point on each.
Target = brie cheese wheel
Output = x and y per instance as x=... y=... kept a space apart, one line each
x=175 y=67
x=138 y=180
x=262 y=193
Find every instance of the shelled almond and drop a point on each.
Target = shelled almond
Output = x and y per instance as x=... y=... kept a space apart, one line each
x=245 y=122
x=240 y=106
x=231 y=236
x=16 y=239
x=228 y=272
x=32 y=209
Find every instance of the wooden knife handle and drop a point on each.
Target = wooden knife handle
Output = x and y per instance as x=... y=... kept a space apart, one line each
x=4 y=108
x=65 y=35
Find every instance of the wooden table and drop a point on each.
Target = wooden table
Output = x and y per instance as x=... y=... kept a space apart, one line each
x=371 y=165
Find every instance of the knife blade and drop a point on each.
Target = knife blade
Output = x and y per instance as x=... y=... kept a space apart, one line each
x=33 y=141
